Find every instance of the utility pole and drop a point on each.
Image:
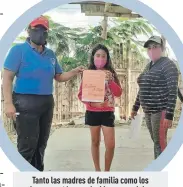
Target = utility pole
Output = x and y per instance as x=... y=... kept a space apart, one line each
x=164 y=46
x=104 y=23
x=104 y=27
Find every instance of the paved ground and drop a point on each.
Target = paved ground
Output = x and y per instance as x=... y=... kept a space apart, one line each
x=69 y=150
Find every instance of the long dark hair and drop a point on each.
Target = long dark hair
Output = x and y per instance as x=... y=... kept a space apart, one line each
x=108 y=65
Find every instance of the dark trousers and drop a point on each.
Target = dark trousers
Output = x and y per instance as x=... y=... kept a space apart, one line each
x=33 y=126
x=157 y=132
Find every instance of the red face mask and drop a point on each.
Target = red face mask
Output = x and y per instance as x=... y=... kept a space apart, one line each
x=155 y=53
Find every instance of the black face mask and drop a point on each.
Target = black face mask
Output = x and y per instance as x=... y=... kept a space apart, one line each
x=38 y=35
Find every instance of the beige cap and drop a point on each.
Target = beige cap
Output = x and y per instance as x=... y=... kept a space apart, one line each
x=156 y=39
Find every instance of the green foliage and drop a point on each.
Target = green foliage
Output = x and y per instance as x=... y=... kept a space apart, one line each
x=69 y=63
x=73 y=45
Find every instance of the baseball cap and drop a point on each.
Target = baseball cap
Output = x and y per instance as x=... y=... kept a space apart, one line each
x=40 y=21
x=156 y=39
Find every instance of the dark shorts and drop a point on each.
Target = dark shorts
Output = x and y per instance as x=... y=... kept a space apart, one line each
x=99 y=118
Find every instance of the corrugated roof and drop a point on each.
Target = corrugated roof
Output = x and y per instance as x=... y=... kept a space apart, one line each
x=97 y=8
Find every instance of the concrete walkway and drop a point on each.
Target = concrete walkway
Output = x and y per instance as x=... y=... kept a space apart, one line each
x=69 y=150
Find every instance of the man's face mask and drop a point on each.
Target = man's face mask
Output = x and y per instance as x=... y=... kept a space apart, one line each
x=154 y=51
x=38 y=35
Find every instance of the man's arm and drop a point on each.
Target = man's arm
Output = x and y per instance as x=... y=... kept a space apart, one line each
x=7 y=85
x=66 y=76
x=180 y=95
x=11 y=67
x=171 y=76
x=136 y=105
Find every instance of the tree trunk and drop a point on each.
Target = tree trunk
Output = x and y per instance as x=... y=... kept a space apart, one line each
x=164 y=46
x=128 y=82
x=104 y=27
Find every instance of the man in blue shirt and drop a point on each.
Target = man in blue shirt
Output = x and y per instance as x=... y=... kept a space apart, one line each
x=31 y=104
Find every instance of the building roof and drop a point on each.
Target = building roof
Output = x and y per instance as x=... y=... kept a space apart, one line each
x=97 y=8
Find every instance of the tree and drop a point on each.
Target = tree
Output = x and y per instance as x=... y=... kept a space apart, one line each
x=123 y=32
x=131 y=30
x=60 y=37
x=73 y=46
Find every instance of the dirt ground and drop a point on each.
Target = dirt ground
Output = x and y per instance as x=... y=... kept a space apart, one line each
x=69 y=150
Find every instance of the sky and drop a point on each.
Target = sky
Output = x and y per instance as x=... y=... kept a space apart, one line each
x=71 y=16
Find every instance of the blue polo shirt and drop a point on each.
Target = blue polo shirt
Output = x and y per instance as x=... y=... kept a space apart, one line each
x=35 y=72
